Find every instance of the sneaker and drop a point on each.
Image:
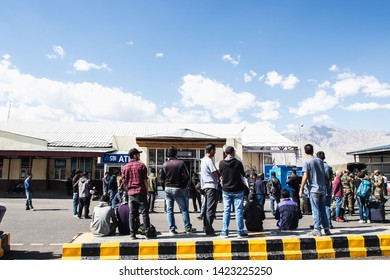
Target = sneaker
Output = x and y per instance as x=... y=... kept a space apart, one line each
x=200 y=217
x=223 y=235
x=339 y=220
x=173 y=232
x=243 y=235
x=87 y=217
x=191 y=230
x=331 y=226
x=151 y=236
x=212 y=233
x=368 y=222
x=133 y=237
x=361 y=221
x=314 y=233
x=327 y=232
x=27 y=208
x=75 y=216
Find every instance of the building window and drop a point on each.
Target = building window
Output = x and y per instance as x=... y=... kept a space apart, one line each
x=156 y=158
x=1 y=167
x=84 y=164
x=99 y=170
x=25 y=167
x=60 y=169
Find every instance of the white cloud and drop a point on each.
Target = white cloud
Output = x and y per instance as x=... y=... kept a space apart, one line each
x=83 y=65
x=248 y=77
x=334 y=68
x=364 y=106
x=322 y=119
x=191 y=116
x=273 y=78
x=229 y=58
x=219 y=99
x=159 y=55
x=350 y=84
x=58 y=52
x=130 y=43
x=320 y=102
x=269 y=110
x=41 y=99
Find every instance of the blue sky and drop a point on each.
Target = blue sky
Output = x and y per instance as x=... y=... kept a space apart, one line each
x=282 y=63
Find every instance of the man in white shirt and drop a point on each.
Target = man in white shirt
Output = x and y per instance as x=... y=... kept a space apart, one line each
x=209 y=176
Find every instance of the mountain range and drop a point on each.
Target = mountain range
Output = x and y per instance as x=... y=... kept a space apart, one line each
x=336 y=142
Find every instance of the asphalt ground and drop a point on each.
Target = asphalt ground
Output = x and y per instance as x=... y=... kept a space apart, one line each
x=40 y=234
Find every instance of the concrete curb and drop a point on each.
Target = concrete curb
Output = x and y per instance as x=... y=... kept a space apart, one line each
x=249 y=249
x=5 y=243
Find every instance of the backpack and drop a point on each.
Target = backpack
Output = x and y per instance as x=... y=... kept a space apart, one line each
x=364 y=188
x=270 y=187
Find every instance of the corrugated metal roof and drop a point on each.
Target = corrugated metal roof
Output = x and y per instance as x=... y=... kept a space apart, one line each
x=385 y=148
x=80 y=134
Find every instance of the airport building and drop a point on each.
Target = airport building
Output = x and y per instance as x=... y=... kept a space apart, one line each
x=51 y=151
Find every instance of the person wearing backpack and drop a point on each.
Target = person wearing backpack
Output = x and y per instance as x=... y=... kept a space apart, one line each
x=363 y=194
x=274 y=190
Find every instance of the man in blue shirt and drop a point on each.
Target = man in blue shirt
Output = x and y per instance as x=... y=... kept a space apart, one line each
x=314 y=178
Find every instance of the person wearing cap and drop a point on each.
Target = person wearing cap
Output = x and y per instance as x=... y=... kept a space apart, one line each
x=175 y=176
x=135 y=178
x=378 y=185
x=233 y=188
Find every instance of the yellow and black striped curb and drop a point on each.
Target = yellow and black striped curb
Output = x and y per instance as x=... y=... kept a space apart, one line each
x=4 y=243
x=250 y=249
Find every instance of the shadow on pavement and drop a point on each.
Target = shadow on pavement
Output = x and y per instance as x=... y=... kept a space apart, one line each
x=30 y=255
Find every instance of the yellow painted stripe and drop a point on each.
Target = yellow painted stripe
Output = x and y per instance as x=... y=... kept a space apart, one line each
x=1 y=248
x=109 y=251
x=324 y=247
x=222 y=250
x=257 y=249
x=71 y=251
x=292 y=249
x=356 y=246
x=384 y=243
x=148 y=251
x=186 y=250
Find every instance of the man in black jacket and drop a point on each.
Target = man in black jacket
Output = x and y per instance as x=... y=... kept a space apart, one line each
x=175 y=176
x=232 y=172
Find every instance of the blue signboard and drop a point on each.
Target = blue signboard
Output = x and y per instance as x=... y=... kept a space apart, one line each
x=116 y=158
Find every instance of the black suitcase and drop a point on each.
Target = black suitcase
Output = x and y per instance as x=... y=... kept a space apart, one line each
x=306 y=206
x=377 y=211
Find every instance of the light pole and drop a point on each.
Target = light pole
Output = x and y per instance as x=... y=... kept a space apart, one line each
x=300 y=141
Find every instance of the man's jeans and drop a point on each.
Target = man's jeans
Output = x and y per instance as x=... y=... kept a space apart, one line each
x=181 y=197
x=237 y=199
x=272 y=199
x=75 y=202
x=112 y=194
x=28 y=200
x=364 y=209
x=260 y=200
x=339 y=202
x=328 y=203
x=138 y=206
x=318 y=205
x=211 y=202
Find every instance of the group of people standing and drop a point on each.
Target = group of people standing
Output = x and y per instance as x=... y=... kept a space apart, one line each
x=139 y=190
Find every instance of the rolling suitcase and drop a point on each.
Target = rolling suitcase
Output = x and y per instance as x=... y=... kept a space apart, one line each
x=306 y=206
x=377 y=211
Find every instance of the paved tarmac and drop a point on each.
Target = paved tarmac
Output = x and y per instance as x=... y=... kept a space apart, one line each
x=42 y=233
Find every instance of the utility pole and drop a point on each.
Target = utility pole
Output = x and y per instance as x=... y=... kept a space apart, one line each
x=9 y=110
